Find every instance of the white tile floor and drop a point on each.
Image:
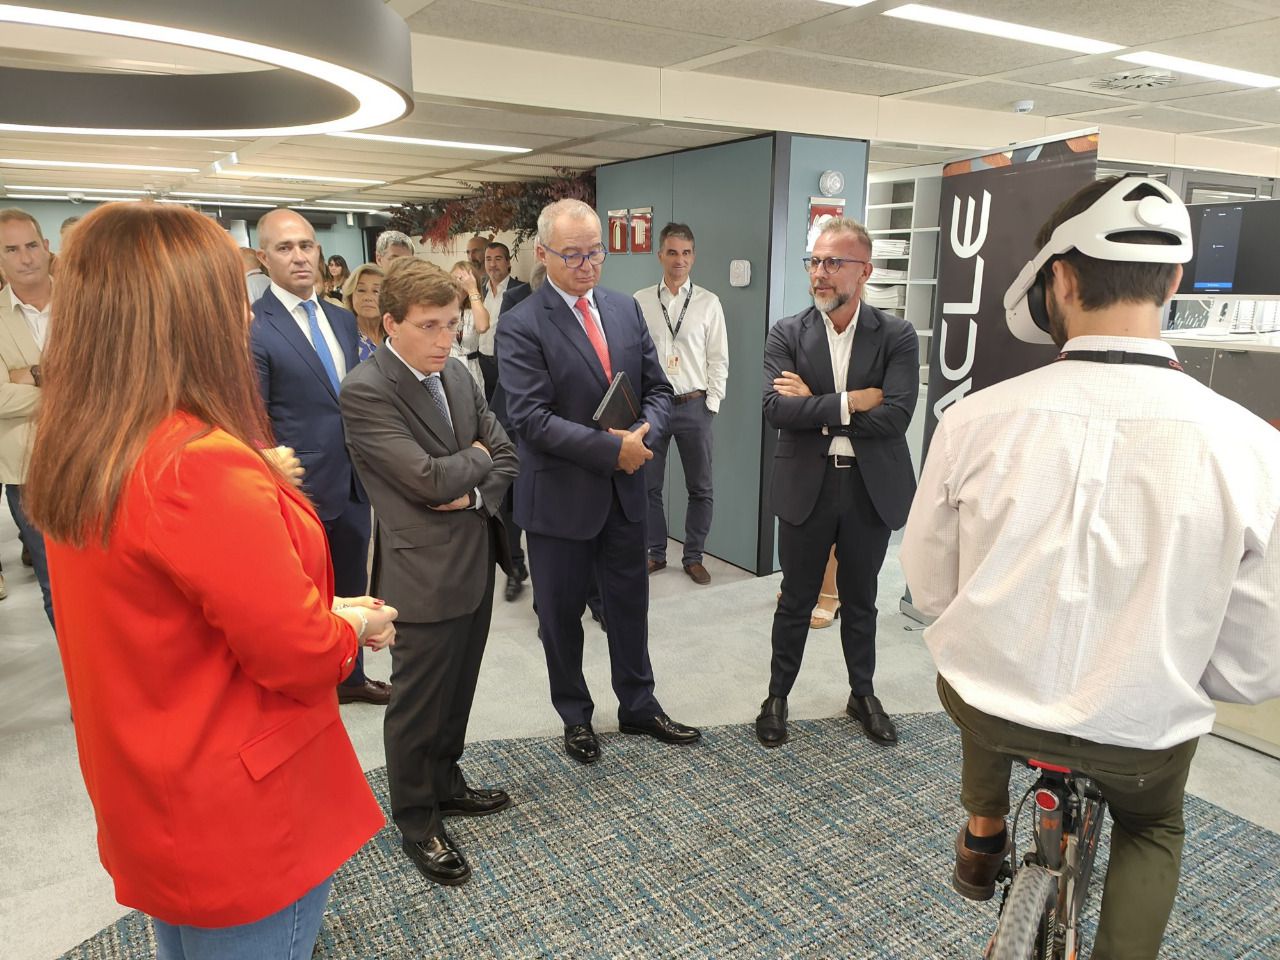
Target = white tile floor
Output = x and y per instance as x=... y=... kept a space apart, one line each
x=710 y=647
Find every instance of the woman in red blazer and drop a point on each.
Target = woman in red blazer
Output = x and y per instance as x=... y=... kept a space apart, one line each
x=194 y=598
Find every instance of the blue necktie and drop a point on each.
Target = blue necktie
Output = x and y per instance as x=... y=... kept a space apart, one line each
x=318 y=342
x=436 y=389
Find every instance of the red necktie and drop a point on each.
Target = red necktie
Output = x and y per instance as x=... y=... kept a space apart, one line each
x=595 y=336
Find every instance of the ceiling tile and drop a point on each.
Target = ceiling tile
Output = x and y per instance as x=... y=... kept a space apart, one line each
x=556 y=160
x=1263 y=105
x=531 y=29
x=617 y=149
x=740 y=19
x=531 y=120
x=1251 y=47
x=1156 y=118
x=798 y=70
x=1268 y=136
x=1049 y=101
x=491 y=175
x=1130 y=23
x=902 y=155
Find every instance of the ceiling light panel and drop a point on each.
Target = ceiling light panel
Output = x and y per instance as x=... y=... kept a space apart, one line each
x=295 y=177
x=1196 y=68
x=233 y=196
x=422 y=142
x=920 y=13
x=74 y=165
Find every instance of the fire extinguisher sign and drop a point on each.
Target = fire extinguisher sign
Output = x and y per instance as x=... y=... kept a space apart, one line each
x=642 y=229
x=618 y=231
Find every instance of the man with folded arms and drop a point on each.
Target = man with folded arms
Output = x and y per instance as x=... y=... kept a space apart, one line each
x=580 y=496
x=687 y=326
x=436 y=464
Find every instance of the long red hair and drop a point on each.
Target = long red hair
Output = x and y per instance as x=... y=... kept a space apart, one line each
x=150 y=316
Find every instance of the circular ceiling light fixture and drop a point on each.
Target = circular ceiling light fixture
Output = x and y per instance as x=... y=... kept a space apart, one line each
x=336 y=65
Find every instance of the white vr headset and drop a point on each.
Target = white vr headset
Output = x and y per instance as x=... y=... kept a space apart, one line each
x=1132 y=205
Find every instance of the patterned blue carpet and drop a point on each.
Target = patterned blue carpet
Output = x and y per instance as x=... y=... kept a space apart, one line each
x=828 y=847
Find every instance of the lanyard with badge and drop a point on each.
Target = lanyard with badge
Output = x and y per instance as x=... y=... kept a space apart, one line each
x=673 y=359
x=1120 y=356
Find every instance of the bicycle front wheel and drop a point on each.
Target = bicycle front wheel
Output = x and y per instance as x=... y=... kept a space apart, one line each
x=1024 y=923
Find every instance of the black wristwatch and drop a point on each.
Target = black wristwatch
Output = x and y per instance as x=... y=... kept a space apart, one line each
x=35 y=374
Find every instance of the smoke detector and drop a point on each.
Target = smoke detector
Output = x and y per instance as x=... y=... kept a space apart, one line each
x=1134 y=80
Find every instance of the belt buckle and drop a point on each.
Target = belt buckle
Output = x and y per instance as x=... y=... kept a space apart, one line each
x=841 y=461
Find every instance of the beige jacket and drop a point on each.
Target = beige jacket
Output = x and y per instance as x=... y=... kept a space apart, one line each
x=18 y=401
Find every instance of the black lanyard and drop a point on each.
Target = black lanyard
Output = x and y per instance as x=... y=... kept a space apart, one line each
x=1120 y=356
x=675 y=332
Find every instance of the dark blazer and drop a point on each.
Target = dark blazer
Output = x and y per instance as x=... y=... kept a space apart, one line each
x=301 y=402
x=516 y=291
x=886 y=354
x=553 y=384
x=429 y=565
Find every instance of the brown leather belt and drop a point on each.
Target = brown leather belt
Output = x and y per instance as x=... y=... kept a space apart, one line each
x=686 y=397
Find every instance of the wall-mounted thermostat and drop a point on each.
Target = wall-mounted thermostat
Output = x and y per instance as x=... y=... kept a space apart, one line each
x=739 y=273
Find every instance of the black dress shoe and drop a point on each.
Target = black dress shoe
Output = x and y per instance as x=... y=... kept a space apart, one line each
x=580 y=742
x=875 y=722
x=475 y=803
x=371 y=691
x=598 y=617
x=514 y=589
x=771 y=725
x=661 y=727
x=438 y=859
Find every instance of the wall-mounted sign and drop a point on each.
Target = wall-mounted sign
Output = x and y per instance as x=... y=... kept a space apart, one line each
x=618 y=230
x=821 y=209
x=642 y=229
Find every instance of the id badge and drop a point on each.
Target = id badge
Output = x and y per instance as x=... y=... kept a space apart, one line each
x=673 y=363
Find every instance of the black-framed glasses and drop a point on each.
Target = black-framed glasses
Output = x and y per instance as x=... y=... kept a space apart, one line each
x=433 y=328
x=575 y=260
x=828 y=264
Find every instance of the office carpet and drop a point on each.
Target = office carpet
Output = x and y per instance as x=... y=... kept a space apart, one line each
x=830 y=847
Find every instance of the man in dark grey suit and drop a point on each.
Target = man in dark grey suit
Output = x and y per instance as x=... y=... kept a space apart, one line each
x=840 y=385
x=436 y=465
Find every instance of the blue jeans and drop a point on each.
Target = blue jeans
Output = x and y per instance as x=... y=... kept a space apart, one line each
x=34 y=542
x=289 y=934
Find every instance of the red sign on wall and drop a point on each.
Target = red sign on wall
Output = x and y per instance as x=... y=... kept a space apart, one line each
x=618 y=230
x=642 y=229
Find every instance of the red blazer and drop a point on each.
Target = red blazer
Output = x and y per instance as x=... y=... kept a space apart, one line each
x=201 y=658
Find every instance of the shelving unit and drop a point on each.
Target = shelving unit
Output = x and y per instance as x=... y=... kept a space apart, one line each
x=903 y=205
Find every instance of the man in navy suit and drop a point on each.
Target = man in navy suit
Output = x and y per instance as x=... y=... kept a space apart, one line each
x=840 y=385
x=580 y=495
x=303 y=346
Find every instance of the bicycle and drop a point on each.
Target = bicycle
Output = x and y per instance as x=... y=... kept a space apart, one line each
x=1046 y=894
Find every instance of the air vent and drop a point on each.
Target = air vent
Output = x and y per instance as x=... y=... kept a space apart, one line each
x=1133 y=80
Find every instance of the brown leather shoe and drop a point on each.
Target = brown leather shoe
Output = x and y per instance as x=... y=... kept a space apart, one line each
x=371 y=691
x=975 y=874
x=697 y=573
x=656 y=565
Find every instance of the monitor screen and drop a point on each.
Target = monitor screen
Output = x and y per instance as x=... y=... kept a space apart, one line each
x=1237 y=249
x=1218 y=249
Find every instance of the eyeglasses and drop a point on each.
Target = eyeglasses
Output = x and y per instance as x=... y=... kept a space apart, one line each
x=829 y=264
x=575 y=260
x=432 y=329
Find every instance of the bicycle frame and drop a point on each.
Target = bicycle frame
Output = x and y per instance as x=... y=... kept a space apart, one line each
x=1068 y=814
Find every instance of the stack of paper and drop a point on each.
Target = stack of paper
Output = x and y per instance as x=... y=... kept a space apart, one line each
x=888 y=248
x=886 y=298
x=883 y=274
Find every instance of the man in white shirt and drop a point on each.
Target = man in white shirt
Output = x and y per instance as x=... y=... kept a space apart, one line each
x=686 y=323
x=841 y=383
x=24 y=326
x=1100 y=544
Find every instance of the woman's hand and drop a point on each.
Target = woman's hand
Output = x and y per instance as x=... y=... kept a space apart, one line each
x=380 y=617
x=288 y=462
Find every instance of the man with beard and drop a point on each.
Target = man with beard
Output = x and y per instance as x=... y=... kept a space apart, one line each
x=1100 y=544
x=841 y=383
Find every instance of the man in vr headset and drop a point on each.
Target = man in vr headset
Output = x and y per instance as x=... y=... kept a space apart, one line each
x=1099 y=540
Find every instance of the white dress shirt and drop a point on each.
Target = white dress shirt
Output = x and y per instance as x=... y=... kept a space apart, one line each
x=841 y=347
x=572 y=302
x=421 y=377
x=294 y=305
x=1100 y=546
x=37 y=320
x=493 y=303
x=701 y=345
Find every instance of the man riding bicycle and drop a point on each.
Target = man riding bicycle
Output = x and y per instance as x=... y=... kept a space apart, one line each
x=1098 y=540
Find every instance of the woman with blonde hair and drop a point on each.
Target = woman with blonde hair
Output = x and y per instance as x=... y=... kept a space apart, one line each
x=360 y=296
x=475 y=318
x=199 y=635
